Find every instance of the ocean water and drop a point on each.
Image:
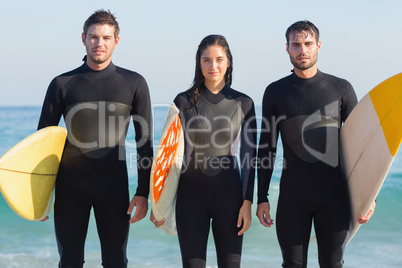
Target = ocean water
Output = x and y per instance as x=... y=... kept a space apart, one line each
x=33 y=245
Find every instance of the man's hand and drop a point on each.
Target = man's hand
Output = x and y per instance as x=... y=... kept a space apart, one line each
x=44 y=219
x=244 y=217
x=141 y=204
x=365 y=219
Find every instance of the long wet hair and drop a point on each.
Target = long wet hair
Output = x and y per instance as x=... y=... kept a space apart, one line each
x=198 y=86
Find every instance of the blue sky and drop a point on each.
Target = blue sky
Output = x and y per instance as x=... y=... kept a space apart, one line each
x=41 y=39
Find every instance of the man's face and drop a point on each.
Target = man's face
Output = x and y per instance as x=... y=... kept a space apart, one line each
x=100 y=43
x=303 y=49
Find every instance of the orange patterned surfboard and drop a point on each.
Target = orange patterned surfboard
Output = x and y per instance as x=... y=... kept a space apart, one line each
x=166 y=170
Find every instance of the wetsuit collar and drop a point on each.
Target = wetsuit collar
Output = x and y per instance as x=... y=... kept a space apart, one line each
x=215 y=98
x=312 y=80
x=111 y=68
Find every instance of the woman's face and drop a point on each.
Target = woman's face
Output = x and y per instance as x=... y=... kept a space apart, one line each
x=214 y=64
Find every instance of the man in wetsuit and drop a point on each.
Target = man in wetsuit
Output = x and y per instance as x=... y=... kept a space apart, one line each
x=97 y=101
x=308 y=108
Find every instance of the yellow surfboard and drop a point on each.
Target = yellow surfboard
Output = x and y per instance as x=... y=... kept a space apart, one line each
x=28 y=172
x=166 y=168
x=370 y=138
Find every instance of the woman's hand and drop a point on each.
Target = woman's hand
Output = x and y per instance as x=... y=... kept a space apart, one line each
x=263 y=214
x=157 y=223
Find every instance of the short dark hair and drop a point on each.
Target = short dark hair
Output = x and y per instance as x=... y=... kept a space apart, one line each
x=303 y=25
x=102 y=17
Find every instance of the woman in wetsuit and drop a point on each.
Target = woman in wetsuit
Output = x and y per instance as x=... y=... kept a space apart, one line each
x=214 y=187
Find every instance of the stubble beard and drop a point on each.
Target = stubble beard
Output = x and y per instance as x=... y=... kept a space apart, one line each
x=98 y=60
x=303 y=66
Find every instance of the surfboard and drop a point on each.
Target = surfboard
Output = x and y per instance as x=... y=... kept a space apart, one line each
x=370 y=138
x=28 y=172
x=165 y=172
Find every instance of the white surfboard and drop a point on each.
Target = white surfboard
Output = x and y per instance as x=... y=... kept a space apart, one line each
x=370 y=138
x=166 y=169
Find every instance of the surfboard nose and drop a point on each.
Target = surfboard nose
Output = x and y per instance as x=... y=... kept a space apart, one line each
x=387 y=102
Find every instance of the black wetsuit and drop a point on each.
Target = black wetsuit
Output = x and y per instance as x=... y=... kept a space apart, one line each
x=213 y=185
x=97 y=106
x=308 y=113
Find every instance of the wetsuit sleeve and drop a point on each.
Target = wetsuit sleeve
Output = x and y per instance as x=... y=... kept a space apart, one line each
x=53 y=106
x=181 y=102
x=349 y=101
x=142 y=118
x=248 y=148
x=266 y=147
